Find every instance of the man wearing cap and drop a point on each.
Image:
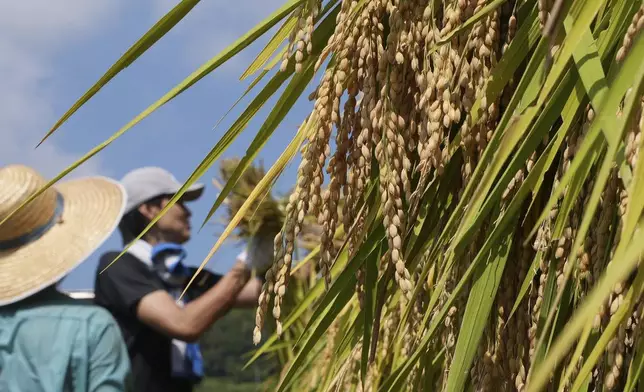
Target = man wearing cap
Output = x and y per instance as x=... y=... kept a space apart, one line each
x=48 y=341
x=143 y=287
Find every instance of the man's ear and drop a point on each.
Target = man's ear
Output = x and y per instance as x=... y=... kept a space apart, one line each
x=148 y=211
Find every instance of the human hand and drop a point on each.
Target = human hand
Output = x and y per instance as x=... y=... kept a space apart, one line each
x=259 y=254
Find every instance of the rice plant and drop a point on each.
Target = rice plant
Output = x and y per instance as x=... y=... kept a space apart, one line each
x=478 y=217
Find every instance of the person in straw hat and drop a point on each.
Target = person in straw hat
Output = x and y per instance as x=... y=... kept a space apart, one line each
x=48 y=341
x=142 y=289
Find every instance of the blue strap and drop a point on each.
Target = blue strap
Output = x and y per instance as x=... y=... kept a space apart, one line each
x=171 y=248
x=38 y=231
x=193 y=355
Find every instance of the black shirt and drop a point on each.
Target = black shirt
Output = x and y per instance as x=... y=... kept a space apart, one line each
x=119 y=289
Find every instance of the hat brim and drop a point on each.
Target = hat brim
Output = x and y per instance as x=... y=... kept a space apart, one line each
x=92 y=209
x=194 y=192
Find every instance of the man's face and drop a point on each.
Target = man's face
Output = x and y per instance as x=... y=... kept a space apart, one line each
x=175 y=223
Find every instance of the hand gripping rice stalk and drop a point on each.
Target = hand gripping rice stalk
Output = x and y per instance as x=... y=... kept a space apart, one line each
x=265 y=218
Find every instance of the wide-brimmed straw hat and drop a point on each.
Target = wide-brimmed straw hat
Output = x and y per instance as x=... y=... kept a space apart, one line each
x=53 y=234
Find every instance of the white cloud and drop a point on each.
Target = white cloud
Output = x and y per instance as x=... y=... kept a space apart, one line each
x=32 y=32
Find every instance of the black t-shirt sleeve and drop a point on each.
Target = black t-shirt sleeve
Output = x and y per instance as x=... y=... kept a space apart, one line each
x=203 y=282
x=125 y=282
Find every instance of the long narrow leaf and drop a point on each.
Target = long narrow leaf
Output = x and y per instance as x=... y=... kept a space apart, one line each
x=156 y=32
x=477 y=312
x=294 y=90
x=329 y=314
x=199 y=74
x=259 y=190
x=606 y=120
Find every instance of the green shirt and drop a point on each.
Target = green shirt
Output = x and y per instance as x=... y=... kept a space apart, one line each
x=52 y=343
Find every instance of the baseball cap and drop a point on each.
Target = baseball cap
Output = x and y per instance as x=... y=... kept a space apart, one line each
x=148 y=182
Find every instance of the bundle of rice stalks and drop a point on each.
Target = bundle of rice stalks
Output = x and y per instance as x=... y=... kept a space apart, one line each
x=267 y=212
x=485 y=154
x=266 y=215
x=265 y=218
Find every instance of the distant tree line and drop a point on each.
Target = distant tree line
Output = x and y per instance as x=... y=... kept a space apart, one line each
x=226 y=347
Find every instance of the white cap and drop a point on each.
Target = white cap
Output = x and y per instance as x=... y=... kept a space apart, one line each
x=149 y=182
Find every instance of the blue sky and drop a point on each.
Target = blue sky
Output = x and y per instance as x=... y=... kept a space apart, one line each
x=51 y=52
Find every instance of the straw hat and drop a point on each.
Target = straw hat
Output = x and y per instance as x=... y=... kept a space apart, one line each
x=53 y=234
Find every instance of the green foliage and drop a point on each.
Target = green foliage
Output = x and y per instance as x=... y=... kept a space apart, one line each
x=225 y=348
x=214 y=384
x=484 y=247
